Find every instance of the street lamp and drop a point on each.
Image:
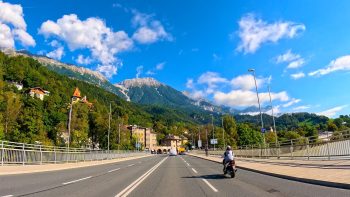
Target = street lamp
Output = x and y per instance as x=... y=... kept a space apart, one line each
x=257 y=95
x=212 y=124
x=109 y=124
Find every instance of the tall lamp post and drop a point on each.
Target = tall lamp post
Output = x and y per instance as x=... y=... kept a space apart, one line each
x=69 y=121
x=257 y=95
x=212 y=124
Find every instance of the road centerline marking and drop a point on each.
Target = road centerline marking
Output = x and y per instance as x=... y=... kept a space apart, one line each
x=131 y=165
x=133 y=185
x=66 y=183
x=195 y=171
x=114 y=170
x=210 y=185
x=7 y=196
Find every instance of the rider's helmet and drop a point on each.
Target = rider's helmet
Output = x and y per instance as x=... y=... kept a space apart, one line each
x=228 y=148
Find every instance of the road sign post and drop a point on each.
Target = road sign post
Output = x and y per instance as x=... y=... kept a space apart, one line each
x=199 y=143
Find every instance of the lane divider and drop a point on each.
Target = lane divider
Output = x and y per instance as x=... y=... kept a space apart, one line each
x=66 y=183
x=195 y=171
x=133 y=185
x=131 y=165
x=7 y=196
x=114 y=170
x=210 y=185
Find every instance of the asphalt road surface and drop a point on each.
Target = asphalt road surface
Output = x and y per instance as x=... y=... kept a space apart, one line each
x=157 y=176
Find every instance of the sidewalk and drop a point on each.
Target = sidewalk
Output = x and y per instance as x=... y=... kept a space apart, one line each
x=335 y=173
x=19 y=169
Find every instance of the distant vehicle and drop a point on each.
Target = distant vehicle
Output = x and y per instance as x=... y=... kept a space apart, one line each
x=181 y=151
x=172 y=152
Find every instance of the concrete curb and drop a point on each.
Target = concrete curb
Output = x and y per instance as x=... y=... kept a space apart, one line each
x=61 y=166
x=304 y=180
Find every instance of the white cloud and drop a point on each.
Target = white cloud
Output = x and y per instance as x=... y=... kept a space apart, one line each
x=246 y=98
x=211 y=79
x=298 y=75
x=287 y=57
x=13 y=26
x=341 y=63
x=332 y=112
x=150 y=72
x=293 y=60
x=190 y=84
x=6 y=37
x=301 y=108
x=296 y=64
x=292 y=102
x=83 y=60
x=139 y=71
x=93 y=34
x=149 y=30
x=246 y=82
x=253 y=32
x=160 y=66
x=56 y=54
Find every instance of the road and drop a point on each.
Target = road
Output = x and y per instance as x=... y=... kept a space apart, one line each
x=156 y=176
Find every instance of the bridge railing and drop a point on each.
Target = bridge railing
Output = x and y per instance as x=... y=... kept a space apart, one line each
x=21 y=153
x=306 y=148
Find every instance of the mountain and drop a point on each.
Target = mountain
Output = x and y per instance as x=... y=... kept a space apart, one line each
x=72 y=71
x=152 y=92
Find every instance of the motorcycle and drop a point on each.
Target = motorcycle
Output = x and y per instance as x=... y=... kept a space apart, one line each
x=230 y=169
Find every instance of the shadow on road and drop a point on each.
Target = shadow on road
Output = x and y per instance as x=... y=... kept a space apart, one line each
x=209 y=176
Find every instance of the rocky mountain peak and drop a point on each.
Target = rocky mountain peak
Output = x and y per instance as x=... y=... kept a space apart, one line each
x=139 y=82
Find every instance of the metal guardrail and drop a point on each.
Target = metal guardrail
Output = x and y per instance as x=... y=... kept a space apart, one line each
x=306 y=148
x=20 y=153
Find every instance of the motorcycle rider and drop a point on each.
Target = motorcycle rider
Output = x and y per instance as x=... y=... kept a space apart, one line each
x=228 y=156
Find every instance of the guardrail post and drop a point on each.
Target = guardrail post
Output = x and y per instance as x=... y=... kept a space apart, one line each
x=2 y=153
x=291 y=149
x=41 y=156
x=54 y=150
x=23 y=154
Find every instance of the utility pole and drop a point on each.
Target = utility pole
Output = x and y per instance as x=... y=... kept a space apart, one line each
x=69 y=121
x=109 y=123
x=223 y=132
x=273 y=117
x=212 y=124
x=206 y=134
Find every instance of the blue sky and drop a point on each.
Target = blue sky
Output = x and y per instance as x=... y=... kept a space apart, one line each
x=202 y=47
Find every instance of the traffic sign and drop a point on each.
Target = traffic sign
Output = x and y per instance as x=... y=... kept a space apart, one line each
x=199 y=143
x=213 y=141
x=263 y=130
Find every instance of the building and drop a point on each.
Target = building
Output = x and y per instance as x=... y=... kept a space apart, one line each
x=77 y=98
x=38 y=93
x=76 y=95
x=19 y=86
x=144 y=136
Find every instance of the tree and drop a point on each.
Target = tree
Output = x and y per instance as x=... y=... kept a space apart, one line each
x=248 y=136
x=230 y=128
x=12 y=110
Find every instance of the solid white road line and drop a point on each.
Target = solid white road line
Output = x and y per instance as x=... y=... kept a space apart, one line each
x=66 y=183
x=7 y=196
x=195 y=171
x=131 y=165
x=210 y=185
x=114 y=170
x=133 y=185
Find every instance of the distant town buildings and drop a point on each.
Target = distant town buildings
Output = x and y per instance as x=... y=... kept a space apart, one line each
x=19 y=86
x=145 y=136
x=38 y=92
